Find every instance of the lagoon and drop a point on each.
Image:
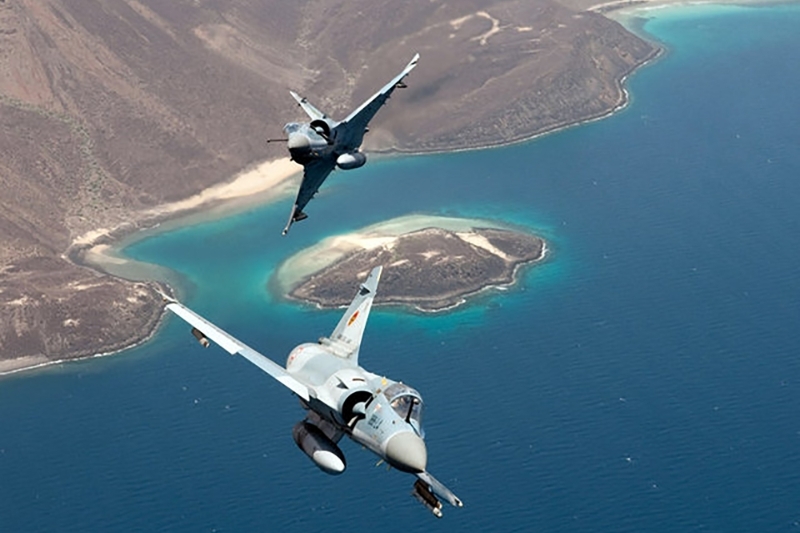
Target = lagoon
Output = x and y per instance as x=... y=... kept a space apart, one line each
x=644 y=378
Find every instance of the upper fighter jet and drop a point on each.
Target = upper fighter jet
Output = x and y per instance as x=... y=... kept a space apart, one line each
x=324 y=144
x=341 y=398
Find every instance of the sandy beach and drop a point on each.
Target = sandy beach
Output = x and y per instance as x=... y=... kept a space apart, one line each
x=10 y=366
x=623 y=11
x=266 y=182
x=99 y=249
x=278 y=179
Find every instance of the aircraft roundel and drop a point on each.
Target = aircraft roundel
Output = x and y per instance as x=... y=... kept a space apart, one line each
x=352 y=318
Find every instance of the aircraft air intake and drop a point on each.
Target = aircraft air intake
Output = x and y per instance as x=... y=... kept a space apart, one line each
x=322 y=128
x=340 y=397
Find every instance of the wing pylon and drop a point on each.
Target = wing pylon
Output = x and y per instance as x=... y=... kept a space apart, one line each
x=203 y=329
x=439 y=489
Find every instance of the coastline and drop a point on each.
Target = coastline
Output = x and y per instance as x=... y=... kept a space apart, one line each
x=332 y=249
x=490 y=287
x=627 y=11
x=32 y=362
x=331 y=253
x=266 y=182
x=98 y=249
x=271 y=180
x=622 y=102
x=464 y=298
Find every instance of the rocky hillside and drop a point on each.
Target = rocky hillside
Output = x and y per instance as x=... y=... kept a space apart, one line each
x=111 y=106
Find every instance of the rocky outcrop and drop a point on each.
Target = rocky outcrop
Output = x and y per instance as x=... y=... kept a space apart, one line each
x=113 y=106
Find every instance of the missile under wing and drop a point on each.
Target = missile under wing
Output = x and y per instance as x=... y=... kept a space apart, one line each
x=342 y=398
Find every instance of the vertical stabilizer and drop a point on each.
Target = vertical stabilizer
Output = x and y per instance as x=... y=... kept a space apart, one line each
x=346 y=338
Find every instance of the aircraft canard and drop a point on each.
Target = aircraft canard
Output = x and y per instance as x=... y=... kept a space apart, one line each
x=342 y=398
x=324 y=144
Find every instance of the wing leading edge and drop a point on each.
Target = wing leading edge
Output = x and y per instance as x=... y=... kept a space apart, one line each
x=234 y=346
x=348 y=135
x=314 y=174
x=350 y=131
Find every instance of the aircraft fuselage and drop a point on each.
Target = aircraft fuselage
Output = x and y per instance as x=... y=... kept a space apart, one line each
x=376 y=412
x=341 y=397
x=305 y=144
x=324 y=144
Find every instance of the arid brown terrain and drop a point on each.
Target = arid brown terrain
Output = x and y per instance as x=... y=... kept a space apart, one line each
x=109 y=107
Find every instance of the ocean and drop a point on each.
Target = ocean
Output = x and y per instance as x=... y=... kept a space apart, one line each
x=644 y=378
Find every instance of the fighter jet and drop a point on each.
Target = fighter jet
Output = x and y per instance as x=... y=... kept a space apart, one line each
x=342 y=398
x=324 y=144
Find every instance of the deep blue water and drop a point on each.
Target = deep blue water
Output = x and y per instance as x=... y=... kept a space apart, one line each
x=644 y=379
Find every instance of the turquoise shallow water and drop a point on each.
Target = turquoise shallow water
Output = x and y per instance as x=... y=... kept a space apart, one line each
x=644 y=379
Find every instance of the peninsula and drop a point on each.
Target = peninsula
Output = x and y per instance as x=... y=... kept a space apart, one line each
x=430 y=263
x=111 y=111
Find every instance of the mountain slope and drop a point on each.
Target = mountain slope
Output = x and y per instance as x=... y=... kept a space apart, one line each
x=108 y=107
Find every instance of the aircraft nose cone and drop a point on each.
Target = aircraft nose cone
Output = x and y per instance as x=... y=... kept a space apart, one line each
x=298 y=142
x=406 y=451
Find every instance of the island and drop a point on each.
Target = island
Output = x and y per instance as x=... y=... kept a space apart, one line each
x=430 y=268
x=119 y=118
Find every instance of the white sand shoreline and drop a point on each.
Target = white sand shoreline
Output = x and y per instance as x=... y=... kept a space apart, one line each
x=624 y=10
x=272 y=179
x=267 y=182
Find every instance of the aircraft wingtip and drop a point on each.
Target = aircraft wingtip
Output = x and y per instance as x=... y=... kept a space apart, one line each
x=374 y=277
x=166 y=298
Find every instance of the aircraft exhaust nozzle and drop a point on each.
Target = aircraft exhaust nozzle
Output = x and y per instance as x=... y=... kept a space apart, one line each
x=322 y=450
x=201 y=338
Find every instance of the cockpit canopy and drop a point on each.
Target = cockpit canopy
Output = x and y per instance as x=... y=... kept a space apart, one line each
x=291 y=127
x=406 y=402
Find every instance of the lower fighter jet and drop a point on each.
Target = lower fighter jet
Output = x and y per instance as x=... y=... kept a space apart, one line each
x=324 y=144
x=341 y=398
